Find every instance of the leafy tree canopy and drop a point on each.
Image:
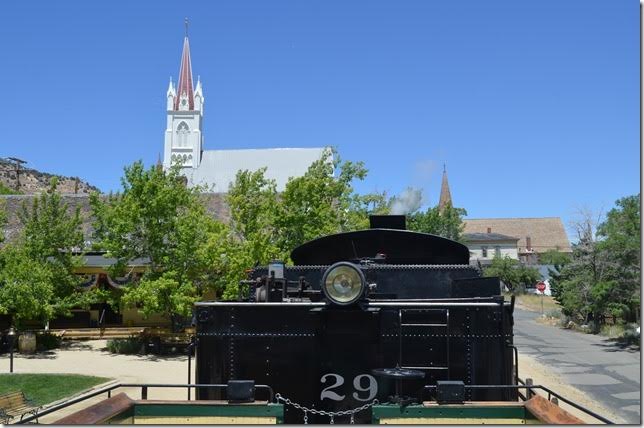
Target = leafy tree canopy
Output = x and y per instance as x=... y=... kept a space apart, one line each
x=512 y=272
x=603 y=275
x=447 y=223
x=554 y=257
x=50 y=236
x=26 y=287
x=157 y=217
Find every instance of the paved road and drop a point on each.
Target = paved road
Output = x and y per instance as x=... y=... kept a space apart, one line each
x=593 y=364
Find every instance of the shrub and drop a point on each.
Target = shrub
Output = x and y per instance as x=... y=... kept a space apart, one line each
x=131 y=345
x=554 y=313
x=615 y=330
x=46 y=341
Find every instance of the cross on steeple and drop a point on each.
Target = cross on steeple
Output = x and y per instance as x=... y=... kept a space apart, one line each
x=186 y=23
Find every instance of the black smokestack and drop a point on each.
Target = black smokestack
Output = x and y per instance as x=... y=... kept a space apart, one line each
x=388 y=222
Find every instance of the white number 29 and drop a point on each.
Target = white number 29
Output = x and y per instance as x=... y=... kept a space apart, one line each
x=372 y=387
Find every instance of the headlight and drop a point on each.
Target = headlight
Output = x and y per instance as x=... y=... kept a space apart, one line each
x=343 y=283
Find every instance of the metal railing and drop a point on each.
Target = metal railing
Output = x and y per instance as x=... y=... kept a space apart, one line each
x=144 y=395
x=529 y=391
x=271 y=395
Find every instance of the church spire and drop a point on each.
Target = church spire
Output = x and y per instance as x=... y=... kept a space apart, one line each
x=185 y=91
x=446 y=197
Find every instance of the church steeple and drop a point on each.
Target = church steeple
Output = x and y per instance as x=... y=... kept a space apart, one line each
x=446 y=197
x=183 y=133
x=185 y=99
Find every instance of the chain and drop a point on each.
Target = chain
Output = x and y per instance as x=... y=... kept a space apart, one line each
x=331 y=415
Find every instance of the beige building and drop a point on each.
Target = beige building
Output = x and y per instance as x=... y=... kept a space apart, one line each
x=534 y=235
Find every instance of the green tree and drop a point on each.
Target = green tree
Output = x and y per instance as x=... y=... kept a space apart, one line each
x=252 y=238
x=50 y=236
x=320 y=203
x=26 y=287
x=254 y=204
x=602 y=277
x=554 y=257
x=512 y=273
x=581 y=286
x=447 y=223
x=619 y=240
x=157 y=217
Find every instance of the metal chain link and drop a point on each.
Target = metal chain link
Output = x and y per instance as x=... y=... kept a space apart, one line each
x=331 y=415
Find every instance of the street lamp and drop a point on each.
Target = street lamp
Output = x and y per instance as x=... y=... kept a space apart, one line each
x=12 y=338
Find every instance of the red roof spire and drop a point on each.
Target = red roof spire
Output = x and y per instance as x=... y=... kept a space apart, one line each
x=445 y=197
x=185 y=76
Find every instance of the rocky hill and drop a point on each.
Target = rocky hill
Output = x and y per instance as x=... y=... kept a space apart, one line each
x=28 y=181
x=22 y=188
x=215 y=204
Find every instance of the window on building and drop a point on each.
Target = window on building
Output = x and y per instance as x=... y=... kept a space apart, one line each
x=484 y=251
x=182 y=134
x=497 y=251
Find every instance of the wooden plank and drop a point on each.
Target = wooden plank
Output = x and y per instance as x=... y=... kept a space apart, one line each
x=550 y=413
x=100 y=412
x=452 y=421
x=205 y=420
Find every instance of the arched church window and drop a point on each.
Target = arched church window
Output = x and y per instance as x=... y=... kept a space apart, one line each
x=182 y=134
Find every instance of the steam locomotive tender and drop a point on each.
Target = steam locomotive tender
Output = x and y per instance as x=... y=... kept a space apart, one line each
x=375 y=314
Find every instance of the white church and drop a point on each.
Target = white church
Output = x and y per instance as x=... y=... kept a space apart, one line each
x=216 y=169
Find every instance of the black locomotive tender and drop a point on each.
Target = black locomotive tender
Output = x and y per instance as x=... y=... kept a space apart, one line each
x=375 y=314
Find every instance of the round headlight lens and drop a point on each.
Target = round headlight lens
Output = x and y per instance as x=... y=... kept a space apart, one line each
x=343 y=283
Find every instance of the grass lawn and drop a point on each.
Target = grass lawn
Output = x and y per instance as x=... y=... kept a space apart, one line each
x=45 y=388
x=533 y=303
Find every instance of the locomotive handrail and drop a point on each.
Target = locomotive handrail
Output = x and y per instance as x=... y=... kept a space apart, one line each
x=530 y=388
x=144 y=389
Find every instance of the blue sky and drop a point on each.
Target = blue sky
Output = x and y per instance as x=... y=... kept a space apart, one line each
x=533 y=106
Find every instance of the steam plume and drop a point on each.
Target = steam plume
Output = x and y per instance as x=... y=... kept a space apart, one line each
x=407 y=202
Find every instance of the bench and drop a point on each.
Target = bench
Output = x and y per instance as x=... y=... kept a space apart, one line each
x=156 y=339
x=14 y=404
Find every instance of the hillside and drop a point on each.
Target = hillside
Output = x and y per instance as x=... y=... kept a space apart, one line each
x=32 y=181
x=215 y=204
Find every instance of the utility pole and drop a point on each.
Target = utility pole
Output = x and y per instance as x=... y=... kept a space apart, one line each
x=17 y=163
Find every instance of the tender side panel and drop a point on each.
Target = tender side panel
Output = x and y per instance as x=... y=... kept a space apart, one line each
x=322 y=357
